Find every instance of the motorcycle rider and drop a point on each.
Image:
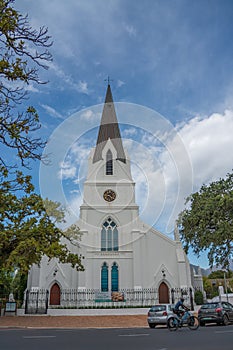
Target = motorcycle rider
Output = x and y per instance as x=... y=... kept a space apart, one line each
x=180 y=307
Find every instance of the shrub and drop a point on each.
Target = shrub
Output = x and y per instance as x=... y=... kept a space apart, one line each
x=198 y=297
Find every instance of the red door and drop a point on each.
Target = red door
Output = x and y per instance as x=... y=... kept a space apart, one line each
x=163 y=293
x=55 y=293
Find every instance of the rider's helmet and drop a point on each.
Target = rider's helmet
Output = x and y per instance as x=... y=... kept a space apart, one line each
x=182 y=299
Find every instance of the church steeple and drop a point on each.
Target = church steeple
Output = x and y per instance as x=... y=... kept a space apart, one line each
x=109 y=129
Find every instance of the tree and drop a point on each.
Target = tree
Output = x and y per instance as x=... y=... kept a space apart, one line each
x=27 y=224
x=220 y=274
x=210 y=287
x=12 y=282
x=28 y=233
x=23 y=50
x=207 y=224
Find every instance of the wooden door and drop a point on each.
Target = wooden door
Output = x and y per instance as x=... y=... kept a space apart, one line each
x=55 y=294
x=163 y=293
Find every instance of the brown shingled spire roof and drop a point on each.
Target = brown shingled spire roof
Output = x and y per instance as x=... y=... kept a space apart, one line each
x=109 y=129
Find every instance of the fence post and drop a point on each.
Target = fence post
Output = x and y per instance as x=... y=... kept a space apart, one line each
x=173 y=298
x=26 y=302
x=191 y=298
x=47 y=301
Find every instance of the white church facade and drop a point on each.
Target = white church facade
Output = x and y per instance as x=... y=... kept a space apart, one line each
x=120 y=251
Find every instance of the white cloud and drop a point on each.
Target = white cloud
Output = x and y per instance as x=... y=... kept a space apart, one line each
x=131 y=30
x=73 y=209
x=82 y=87
x=209 y=142
x=31 y=88
x=74 y=164
x=90 y=115
x=129 y=132
x=52 y=112
x=79 y=152
x=161 y=188
x=67 y=170
x=120 y=83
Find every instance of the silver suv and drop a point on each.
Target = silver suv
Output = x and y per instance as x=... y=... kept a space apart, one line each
x=158 y=314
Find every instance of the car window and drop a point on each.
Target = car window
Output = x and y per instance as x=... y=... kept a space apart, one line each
x=230 y=306
x=158 y=308
x=227 y=305
x=209 y=306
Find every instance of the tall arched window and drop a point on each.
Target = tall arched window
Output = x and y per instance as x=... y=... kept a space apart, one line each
x=109 y=236
x=115 y=238
x=104 y=277
x=109 y=163
x=115 y=278
x=103 y=239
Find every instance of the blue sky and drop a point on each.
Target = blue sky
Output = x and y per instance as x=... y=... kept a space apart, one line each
x=172 y=71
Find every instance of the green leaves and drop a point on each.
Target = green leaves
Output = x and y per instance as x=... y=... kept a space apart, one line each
x=208 y=223
x=28 y=232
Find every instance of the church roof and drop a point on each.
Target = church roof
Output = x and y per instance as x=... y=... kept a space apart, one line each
x=109 y=129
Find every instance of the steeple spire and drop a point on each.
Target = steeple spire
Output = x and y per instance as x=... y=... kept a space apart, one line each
x=108 y=98
x=109 y=129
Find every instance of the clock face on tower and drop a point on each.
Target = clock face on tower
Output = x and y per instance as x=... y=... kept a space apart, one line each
x=109 y=195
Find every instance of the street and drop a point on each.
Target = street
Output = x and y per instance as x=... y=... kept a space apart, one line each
x=208 y=338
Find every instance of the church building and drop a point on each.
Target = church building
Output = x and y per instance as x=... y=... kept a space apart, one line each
x=120 y=251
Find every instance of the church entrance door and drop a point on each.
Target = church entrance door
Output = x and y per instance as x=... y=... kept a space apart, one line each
x=55 y=294
x=163 y=293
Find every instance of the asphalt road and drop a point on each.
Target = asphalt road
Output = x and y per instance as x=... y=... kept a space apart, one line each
x=207 y=338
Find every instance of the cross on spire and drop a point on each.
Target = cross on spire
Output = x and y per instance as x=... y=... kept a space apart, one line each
x=108 y=80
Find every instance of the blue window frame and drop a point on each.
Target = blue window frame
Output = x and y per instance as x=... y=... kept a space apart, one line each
x=104 y=277
x=115 y=278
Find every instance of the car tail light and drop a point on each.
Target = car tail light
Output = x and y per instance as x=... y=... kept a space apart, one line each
x=218 y=309
x=165 y=313
x=148 y=313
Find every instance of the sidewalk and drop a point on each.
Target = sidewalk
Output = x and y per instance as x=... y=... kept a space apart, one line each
x=82 y=318
x=43 y=321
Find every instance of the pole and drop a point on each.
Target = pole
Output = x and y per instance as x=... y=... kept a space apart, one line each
x=225 y=285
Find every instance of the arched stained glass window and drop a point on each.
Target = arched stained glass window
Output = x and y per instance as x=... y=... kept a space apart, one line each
x=104 y=277
x=115 y=277
x=109 y=163
x=115 y=238
x=103 y=239
x=109 y=236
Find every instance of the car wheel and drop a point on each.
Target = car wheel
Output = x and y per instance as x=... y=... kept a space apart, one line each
x=152 y=325
x=225 y=320
x=202 y=324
